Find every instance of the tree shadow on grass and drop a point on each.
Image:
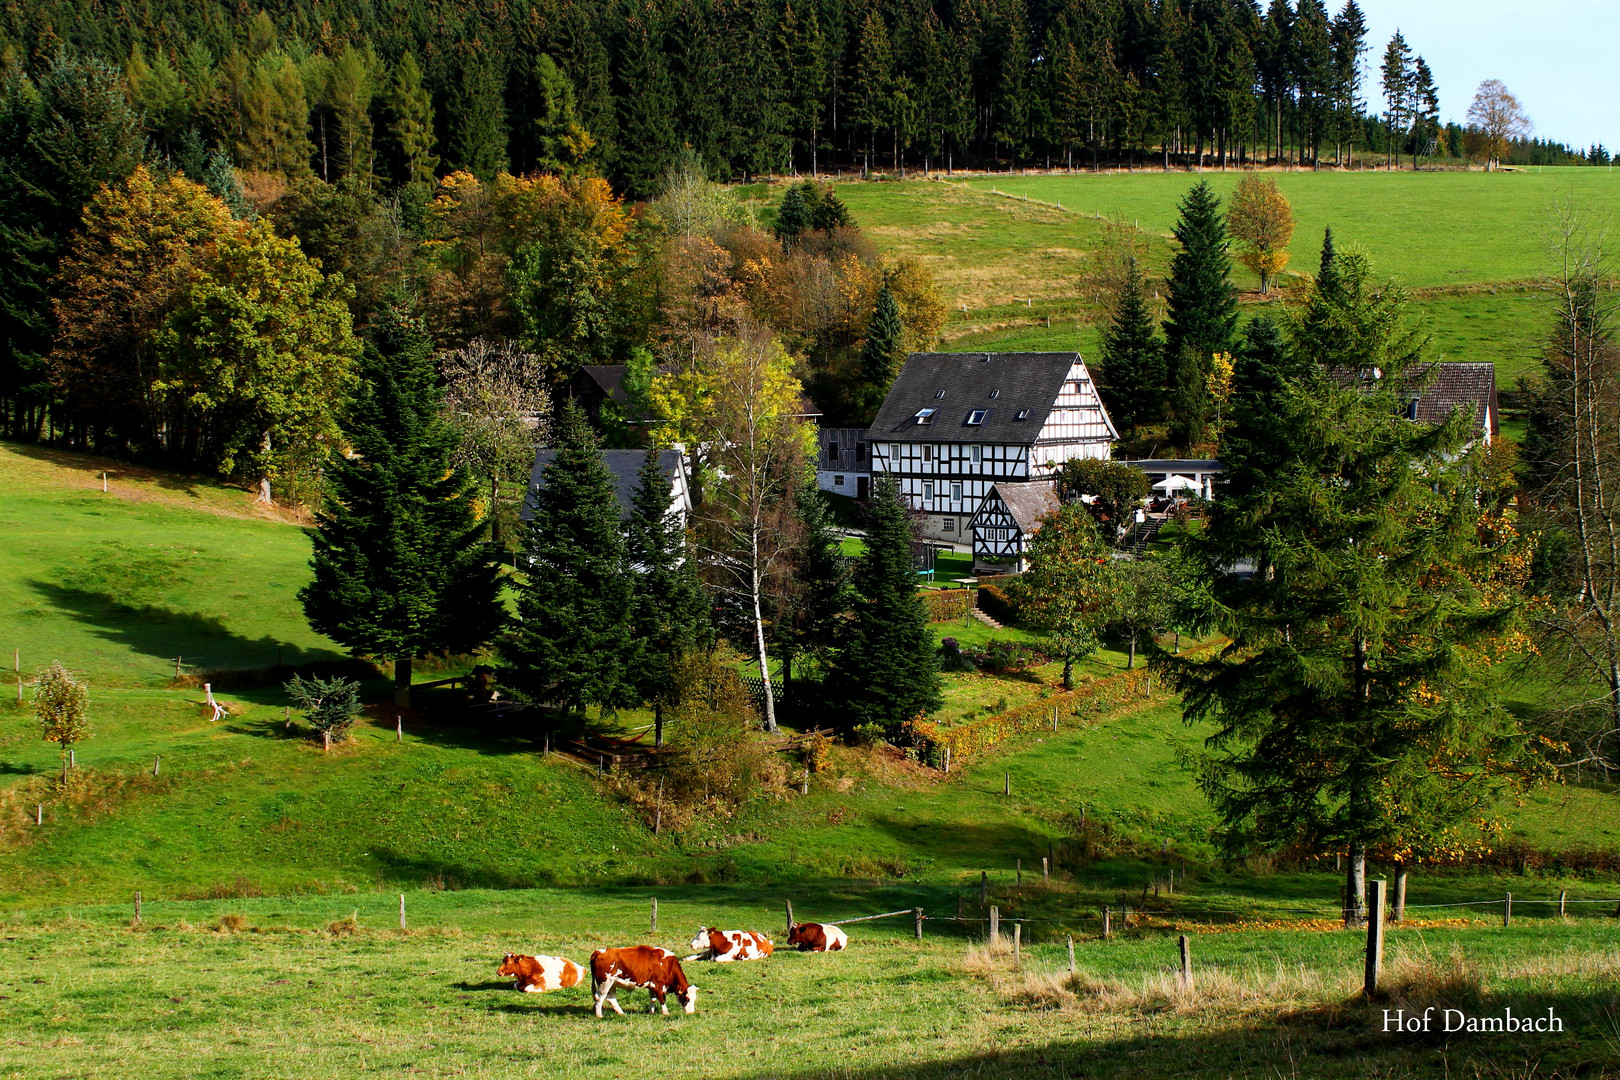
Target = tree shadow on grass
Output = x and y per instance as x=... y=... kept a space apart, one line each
x=93 y=465
x=201 y=641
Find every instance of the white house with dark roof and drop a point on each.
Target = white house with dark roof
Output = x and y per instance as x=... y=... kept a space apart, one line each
x=955 y=424
x=625 y=465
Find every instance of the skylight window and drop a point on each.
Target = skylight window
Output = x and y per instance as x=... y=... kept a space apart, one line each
x=1023 y=414
x=938 y=394
x=976 y=416
x=995 y=393
x=925 y=416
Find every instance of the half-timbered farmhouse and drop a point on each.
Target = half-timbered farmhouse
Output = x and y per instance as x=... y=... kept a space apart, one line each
x=955 y=424
x=843 y=466
x=1007 y=518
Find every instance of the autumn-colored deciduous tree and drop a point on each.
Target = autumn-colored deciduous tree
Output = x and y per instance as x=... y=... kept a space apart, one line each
x=142 y=242
x=60 y=703
x=1496 y=118
x=1067 y=592
x=1262 y=222
x=261 y=351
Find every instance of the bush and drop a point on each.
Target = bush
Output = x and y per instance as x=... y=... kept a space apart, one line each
x=817 y=753
x=715 y=752
x=945 y=605
x=870 y=734
x=953 y=657
x=1011 y=657
x=995 y=601
x=330 y=706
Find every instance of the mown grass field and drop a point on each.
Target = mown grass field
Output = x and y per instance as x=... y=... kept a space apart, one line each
x=1473 y=248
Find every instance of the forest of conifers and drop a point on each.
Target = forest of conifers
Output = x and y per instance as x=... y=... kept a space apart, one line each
x=396 y=90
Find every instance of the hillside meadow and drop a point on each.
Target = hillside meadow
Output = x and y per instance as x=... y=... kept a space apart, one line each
x=1010 y=251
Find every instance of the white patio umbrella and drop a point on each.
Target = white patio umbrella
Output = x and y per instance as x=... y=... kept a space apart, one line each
x=1175 y=483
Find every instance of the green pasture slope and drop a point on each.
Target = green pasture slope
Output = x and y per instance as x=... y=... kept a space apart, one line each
x=1474 y=248
x=498 y=850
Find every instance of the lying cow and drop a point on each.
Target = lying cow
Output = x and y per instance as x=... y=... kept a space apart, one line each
x=723 y=946
x=646 y=966
x=537 y=974
x=817 y=937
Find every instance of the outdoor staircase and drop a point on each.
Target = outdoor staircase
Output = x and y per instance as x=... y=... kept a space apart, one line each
x=1144 y=533
x=987 y=620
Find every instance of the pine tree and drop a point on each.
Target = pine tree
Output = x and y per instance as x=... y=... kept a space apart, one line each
x=888 y=672
x=410 y=123
x=1252 y=447
x=1202 y=311
x=1132 y=358
x=399 y=566
x=882 y=354
x=793 y=215
x=563 y=140
x=648 y=144
x=478 y=118
x=571 y=643
x=817 y=600
x=1397 y=85
x=668 y=615
x=1327 y=273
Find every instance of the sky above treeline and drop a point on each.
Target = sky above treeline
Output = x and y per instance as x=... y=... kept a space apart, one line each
x=1556 y=57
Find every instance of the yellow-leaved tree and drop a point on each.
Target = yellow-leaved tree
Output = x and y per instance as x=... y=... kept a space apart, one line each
x=1262 y=223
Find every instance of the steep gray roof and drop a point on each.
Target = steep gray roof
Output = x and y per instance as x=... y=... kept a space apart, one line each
x=1028 y=501
x=1029 y=381
x=1457 y=385
x=623 y=464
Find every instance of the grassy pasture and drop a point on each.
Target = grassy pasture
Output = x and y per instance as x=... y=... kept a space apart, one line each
x=1472 y=247
x=291 y=988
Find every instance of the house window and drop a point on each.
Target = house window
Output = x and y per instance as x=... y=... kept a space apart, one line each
x=938 y=394
x=976 y=416
x=995 y=393
x=894 y=454
x=838 y=480
x=950 y=524
x=1411 y=409
x=860 y=452
x=928 y=491
x=925 y=416
x=975 y=451
x=1023 y=414
x=928 y=451
x=956 y=493
x=832 y=453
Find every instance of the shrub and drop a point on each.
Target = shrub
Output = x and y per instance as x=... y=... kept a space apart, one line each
x=817 y=753
x=945 y=605
x=329 y=705
x=869 y=734
x=995 y=601
x=1011 y=657
x=715 y=752
x=953 y=657
x=60 y=701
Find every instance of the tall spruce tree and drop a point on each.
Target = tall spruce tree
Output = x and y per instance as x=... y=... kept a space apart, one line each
x=399 y=567
x=668 y=615
x=571 y=642
x=882 y=354
x=410 y=123
x=1132 y=358
x=888 y=671
x=478 y=135
x=1202 y=309
x=818 y=597
x=1252 y=447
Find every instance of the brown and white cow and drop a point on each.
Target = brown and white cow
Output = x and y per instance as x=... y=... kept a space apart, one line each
x=537 y=974
x=647 y=966
x=723 y=946
x=817 y=937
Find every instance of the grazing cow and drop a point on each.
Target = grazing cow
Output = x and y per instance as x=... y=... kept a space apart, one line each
x=537 y=974
x=723 y=946
x=817 y=937
x=649 y=967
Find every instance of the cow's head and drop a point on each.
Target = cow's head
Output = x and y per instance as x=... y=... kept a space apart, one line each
x=797 y=934
x=509 y=966
x=700 y=941
x=689 y=999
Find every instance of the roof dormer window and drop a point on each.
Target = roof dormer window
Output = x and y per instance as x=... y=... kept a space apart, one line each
x=995 y=393
x=977 y=416
x=1022 y=414
x=925 y=417
x=938 y=394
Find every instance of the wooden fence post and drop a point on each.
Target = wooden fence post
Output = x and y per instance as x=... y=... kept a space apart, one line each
x=1046 y=869
x=402 y=911
x=1006 y=783
x=1507 y=910
x=1018 y=943
x=653 y=926
x=326 y=741
x=1375 y=938
x=1108 y=918
x=399 y=728
x=918 y=914
x=947 y=761
x=788 y=904
x=984 y=886
x=1071 y=954
x=137 y=909
x=1563 y=898
x=958 y=905
x=995 y=927
x=1186 y=963
x=157 y=762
